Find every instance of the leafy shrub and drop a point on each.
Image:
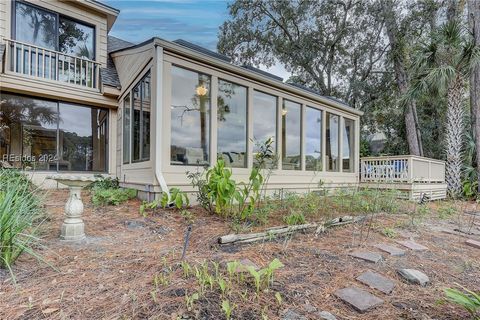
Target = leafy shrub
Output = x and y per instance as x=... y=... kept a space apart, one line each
x=111 y=196
x=104 y=183
x=219 y=193
x=294 y=218
x=469 y=300
x=178 y=198
x=20 y=217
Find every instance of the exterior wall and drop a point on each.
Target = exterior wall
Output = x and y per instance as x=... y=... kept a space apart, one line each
x=175 y=176
x=140 y=174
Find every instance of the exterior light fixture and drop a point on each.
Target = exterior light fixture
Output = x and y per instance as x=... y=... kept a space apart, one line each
x=284 y=112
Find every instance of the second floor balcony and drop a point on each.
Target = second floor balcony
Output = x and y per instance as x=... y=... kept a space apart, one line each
x=34 y=61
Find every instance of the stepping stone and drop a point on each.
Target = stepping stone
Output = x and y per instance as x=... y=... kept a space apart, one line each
x=244 y=263
x=292 y=315
x=359 y=299
x=377 y=281
x=367 y=256
x=392 y=250
x=414 y=276
x=412 y=245
x=325 y=315
x=473 y=243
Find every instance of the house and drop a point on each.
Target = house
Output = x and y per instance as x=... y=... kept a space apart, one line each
x=75 y=100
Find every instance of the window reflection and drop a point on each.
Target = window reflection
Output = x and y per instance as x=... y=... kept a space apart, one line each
x=264 y=120
x=291 y=121
x=348 y=143
x=232 y=124
x=82 y=138
x=43 y=135
x=35 y=26
x=190 y=118
x=313 y=137
x=76 y=39
x=140 y=121
x=332 y=131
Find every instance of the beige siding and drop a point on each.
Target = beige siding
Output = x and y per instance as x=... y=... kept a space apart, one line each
x=67 y=8
x=54 y=90
x=130 y=63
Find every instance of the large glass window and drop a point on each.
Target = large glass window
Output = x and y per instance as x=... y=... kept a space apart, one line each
x=348 y=145
x=136 y=122
x=291 y=135
x=332 y=147
x=126 y=129
x=313 y=137
x=76 y=39
x=190 y=117
x=232 y=124
x=35 y=26
x=264 y=120
x=82 y=138
x=44 y=135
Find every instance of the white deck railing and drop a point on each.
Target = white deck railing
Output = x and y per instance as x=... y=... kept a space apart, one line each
x=402 y=169
x=38 y=62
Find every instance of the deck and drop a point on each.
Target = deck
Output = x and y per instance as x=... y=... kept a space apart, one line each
x=413 y=176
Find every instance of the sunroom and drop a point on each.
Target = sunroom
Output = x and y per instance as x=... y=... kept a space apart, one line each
x=183 y=107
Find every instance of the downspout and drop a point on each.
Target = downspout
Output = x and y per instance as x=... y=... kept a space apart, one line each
x=158 y=64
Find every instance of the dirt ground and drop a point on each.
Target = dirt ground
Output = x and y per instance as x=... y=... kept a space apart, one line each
x=109 y=275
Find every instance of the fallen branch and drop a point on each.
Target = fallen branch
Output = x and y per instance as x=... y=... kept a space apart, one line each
x=274 y=232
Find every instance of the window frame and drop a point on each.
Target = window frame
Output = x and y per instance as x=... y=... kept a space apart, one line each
x=247 y=99
x=13 y=25
x=284 y=133
x=131 y=142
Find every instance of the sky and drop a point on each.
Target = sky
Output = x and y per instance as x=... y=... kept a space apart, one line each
x=192 y=20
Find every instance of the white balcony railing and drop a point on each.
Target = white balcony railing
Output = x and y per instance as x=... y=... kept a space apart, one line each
x=34 y=61
x=402 y=169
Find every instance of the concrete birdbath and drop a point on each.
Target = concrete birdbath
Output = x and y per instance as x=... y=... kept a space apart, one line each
x=73 y=228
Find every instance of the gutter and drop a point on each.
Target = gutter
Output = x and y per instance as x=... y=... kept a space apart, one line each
x=158 y=65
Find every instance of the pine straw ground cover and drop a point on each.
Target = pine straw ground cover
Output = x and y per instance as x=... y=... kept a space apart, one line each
x=109 y=276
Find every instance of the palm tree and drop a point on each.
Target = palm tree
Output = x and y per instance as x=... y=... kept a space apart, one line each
x=443 y=66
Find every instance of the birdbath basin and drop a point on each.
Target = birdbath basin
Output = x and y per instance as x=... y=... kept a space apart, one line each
x=73 y=228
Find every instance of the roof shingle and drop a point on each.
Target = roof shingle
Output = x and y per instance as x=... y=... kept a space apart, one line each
x=109 y=74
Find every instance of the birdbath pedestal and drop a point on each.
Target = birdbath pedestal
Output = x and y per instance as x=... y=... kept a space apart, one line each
x=73 y=228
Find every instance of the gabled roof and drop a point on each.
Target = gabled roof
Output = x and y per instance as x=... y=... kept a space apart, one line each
x=109 y=74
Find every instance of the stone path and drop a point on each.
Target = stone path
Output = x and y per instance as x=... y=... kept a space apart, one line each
x=359 y=299
x=392 y=250
x=367 y=256
x=377 y=281
x=414 y=276
x=473 y=243
x=412 y=245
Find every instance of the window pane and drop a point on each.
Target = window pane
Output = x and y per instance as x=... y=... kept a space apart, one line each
x=28 y=132
x=82 y=138
x=332 y=142
x=264 y=120
x=313 y=137
x=136 y=123
x=190 y=118
x=35 y=26
x=76 y=39
x=126 y=129
x=291 y=121
x=232 y=124
x=146 y=117
x=348 y=143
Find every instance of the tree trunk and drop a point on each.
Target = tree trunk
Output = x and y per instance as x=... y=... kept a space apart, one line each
x=401 y=76
x=454 y=136
x=474 y=19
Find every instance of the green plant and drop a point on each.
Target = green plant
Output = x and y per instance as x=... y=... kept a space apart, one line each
x=389 y=232
x=469 y=300
x=21 y=216
x=104 y=183
x=221 y=187
x=187 y=269
x=176 y=197
x=279 y=298
x=469 y=189
x=446 y=212
x=103 y=197
x=294 y=218
x=190 y=300
x=227 y=308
